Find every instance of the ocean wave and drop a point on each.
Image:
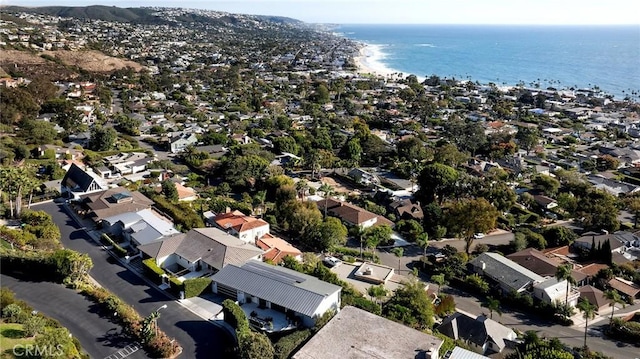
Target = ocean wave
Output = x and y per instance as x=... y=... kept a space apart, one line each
x=425 y=45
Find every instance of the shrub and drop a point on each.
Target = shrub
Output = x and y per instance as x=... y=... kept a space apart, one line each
x=290 y=342
x=34 y=325
x=476 y=283
x=196 y=286
x=152 y=270
x=627 y=331
x=355 y=253
x=117 y=249
x=176 y=286
x=11 y=312
x=234 y=315
x=446 y=306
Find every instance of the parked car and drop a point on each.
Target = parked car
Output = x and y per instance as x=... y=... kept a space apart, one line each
x=478 y=235
x=331 y=261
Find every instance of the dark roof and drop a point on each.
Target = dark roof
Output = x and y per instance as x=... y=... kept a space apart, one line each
x=282 y=286
x=476 y=330
x=535 y=261
x=594 y=296
x=615 y=239
x=216 y=248
x=77 y=178
x=505 y=271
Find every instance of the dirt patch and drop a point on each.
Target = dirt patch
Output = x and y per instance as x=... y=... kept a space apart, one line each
x=65 y=65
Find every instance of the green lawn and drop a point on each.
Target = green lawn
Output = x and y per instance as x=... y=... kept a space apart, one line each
x=11 y=334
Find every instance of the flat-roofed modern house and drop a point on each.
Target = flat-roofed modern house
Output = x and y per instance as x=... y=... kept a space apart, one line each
x=256 y=285
x=77 y=182
x=508 y=274
x=355 y=333
x=199 y=252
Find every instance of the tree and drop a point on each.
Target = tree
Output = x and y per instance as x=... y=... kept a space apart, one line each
x=398 y=252
x=331 y=233
x=563 y=272
x=377 y=292
x=632 y=204
x=253 y=345
x=547 y=184
x=588 y=312
x=614 y=298
x=528 y=138
x=169 y=190
x=440 y=280
x=493 y=305
x=410 y=305
x=437 y=182
x=376 y=235
x=102 y=139
x=327 y=190
x=470 y=216
x=423 y=242
x=598 y=210
x=61 y=340
x=37 y=132
x=558 y=236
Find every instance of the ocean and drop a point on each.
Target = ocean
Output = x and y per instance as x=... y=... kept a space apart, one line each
x=607 y=57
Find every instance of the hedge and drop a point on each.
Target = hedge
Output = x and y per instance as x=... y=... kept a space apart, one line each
x=355 y=253
x=234 y=316
x=152 y=270
x=290 y=342
x=107 y=241
x=45 y=265
x=176 y=286
x=196 y=286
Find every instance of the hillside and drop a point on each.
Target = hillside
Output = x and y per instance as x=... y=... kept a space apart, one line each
x=95 y=12
x=61 y=63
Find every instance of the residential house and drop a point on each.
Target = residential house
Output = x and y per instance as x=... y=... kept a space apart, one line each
x=178 y=143
x=128 y=163
x=545 y=202
x=612 y=186
x=363 y=177
x=351 y=214
x=616 y=240
x=77 y=182
x=201 y=250
x=114 y=201
x=276 y=248
x=460 y=353
x=509 y=275
x=407 y=209
x=356 y=333
x=596 y=297
x=247 y=228
x=139 y=228
x=281 y=289
x=627 y=289
x=214 y=151
x=487 y=334
x=553 y=291
x=186 y=194
x=546 y=265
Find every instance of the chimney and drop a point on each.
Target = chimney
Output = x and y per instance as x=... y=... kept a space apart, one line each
x=484 y=265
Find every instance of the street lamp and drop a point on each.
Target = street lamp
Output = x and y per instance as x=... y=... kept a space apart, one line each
x=156 y=314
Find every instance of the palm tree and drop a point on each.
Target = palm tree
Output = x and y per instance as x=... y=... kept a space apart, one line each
x=614 y=297
x=564 y=273
x=377 y=292
x=423 y=242
x=328 y=191
x=588 y=312
x=440 y=280
x=399 y=252
x=260 y=197
x=493 y=305
x=301 y=188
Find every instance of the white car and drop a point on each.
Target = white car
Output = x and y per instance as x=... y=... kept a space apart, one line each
x=478 y=235
x=331 y=261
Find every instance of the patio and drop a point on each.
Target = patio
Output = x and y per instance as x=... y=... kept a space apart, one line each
x=259 y=318
x=183 y=273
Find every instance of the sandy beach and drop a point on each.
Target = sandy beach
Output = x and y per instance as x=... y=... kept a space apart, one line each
x=369 y=59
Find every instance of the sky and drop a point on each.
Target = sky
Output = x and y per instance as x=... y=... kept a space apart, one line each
x=521 y=12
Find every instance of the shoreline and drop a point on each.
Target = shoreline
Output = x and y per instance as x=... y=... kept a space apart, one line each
x=369 y=58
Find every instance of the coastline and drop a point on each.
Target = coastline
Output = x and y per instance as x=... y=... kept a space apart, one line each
x=368 y=61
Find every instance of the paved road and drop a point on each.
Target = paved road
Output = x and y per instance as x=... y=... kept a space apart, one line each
x=99 y=337
x=199 y=338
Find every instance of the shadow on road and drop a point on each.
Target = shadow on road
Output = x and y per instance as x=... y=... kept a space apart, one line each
x=201 y=332
x=114 y=337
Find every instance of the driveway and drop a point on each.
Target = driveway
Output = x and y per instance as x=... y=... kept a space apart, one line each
x=99 y=336
x=199 y=338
